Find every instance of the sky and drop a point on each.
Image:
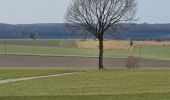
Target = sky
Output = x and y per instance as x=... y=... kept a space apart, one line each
x=53 y=11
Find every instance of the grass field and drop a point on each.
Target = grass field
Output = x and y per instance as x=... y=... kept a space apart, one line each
x=10 y=73
x=90 y=84
x=143 y=49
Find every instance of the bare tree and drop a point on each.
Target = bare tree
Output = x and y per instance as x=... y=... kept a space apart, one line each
x=99 y=16
x=32 y=35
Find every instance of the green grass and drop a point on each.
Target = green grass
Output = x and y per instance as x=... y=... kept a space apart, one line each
x=163 y=96
x=29 y=42
x=143 y=51
x=113 y=84
x=43 y=50
x=68 y=48
x=156 y=52
x=12 y=73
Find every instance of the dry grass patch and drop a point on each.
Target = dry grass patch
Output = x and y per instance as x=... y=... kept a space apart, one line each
x=91 y=44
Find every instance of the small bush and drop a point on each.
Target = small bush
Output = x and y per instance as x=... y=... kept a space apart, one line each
x=32 y=35
x=158 y=40
x=132 y=62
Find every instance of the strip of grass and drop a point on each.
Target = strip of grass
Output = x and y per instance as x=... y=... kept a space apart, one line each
x=154 y=96
x=150 y=51
x=41 y=42
x=43 y=50
x=143 y=51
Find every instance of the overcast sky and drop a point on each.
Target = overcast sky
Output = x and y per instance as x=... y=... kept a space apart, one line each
x=52 y=11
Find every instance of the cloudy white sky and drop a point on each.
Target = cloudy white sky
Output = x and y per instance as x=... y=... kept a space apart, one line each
x=52 y=11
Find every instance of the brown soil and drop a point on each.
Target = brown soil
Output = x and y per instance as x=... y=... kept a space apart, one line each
x=49 y=61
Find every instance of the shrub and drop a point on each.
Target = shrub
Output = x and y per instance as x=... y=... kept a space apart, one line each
x=158 y=40
x=132 y=62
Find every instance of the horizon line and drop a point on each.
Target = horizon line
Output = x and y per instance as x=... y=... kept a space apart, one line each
x=65 y=23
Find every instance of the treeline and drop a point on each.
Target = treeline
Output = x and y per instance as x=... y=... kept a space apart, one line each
x=61 y=31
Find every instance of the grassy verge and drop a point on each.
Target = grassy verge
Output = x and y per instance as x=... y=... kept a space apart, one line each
x=117 y=84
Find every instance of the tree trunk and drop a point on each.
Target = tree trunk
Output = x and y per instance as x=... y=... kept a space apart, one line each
x=101 y=53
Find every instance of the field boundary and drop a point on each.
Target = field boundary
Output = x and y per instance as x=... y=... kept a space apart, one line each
x=50 y=55
x=35 y=77
x=76 y=56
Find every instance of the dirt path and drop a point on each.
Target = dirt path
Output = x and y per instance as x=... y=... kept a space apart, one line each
x=49 y=61
x=36 y=77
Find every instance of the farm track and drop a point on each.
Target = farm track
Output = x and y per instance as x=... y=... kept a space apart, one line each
x=35 y=77
x=54 y=61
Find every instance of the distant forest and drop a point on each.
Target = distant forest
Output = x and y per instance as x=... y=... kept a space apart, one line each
x=61 y=31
